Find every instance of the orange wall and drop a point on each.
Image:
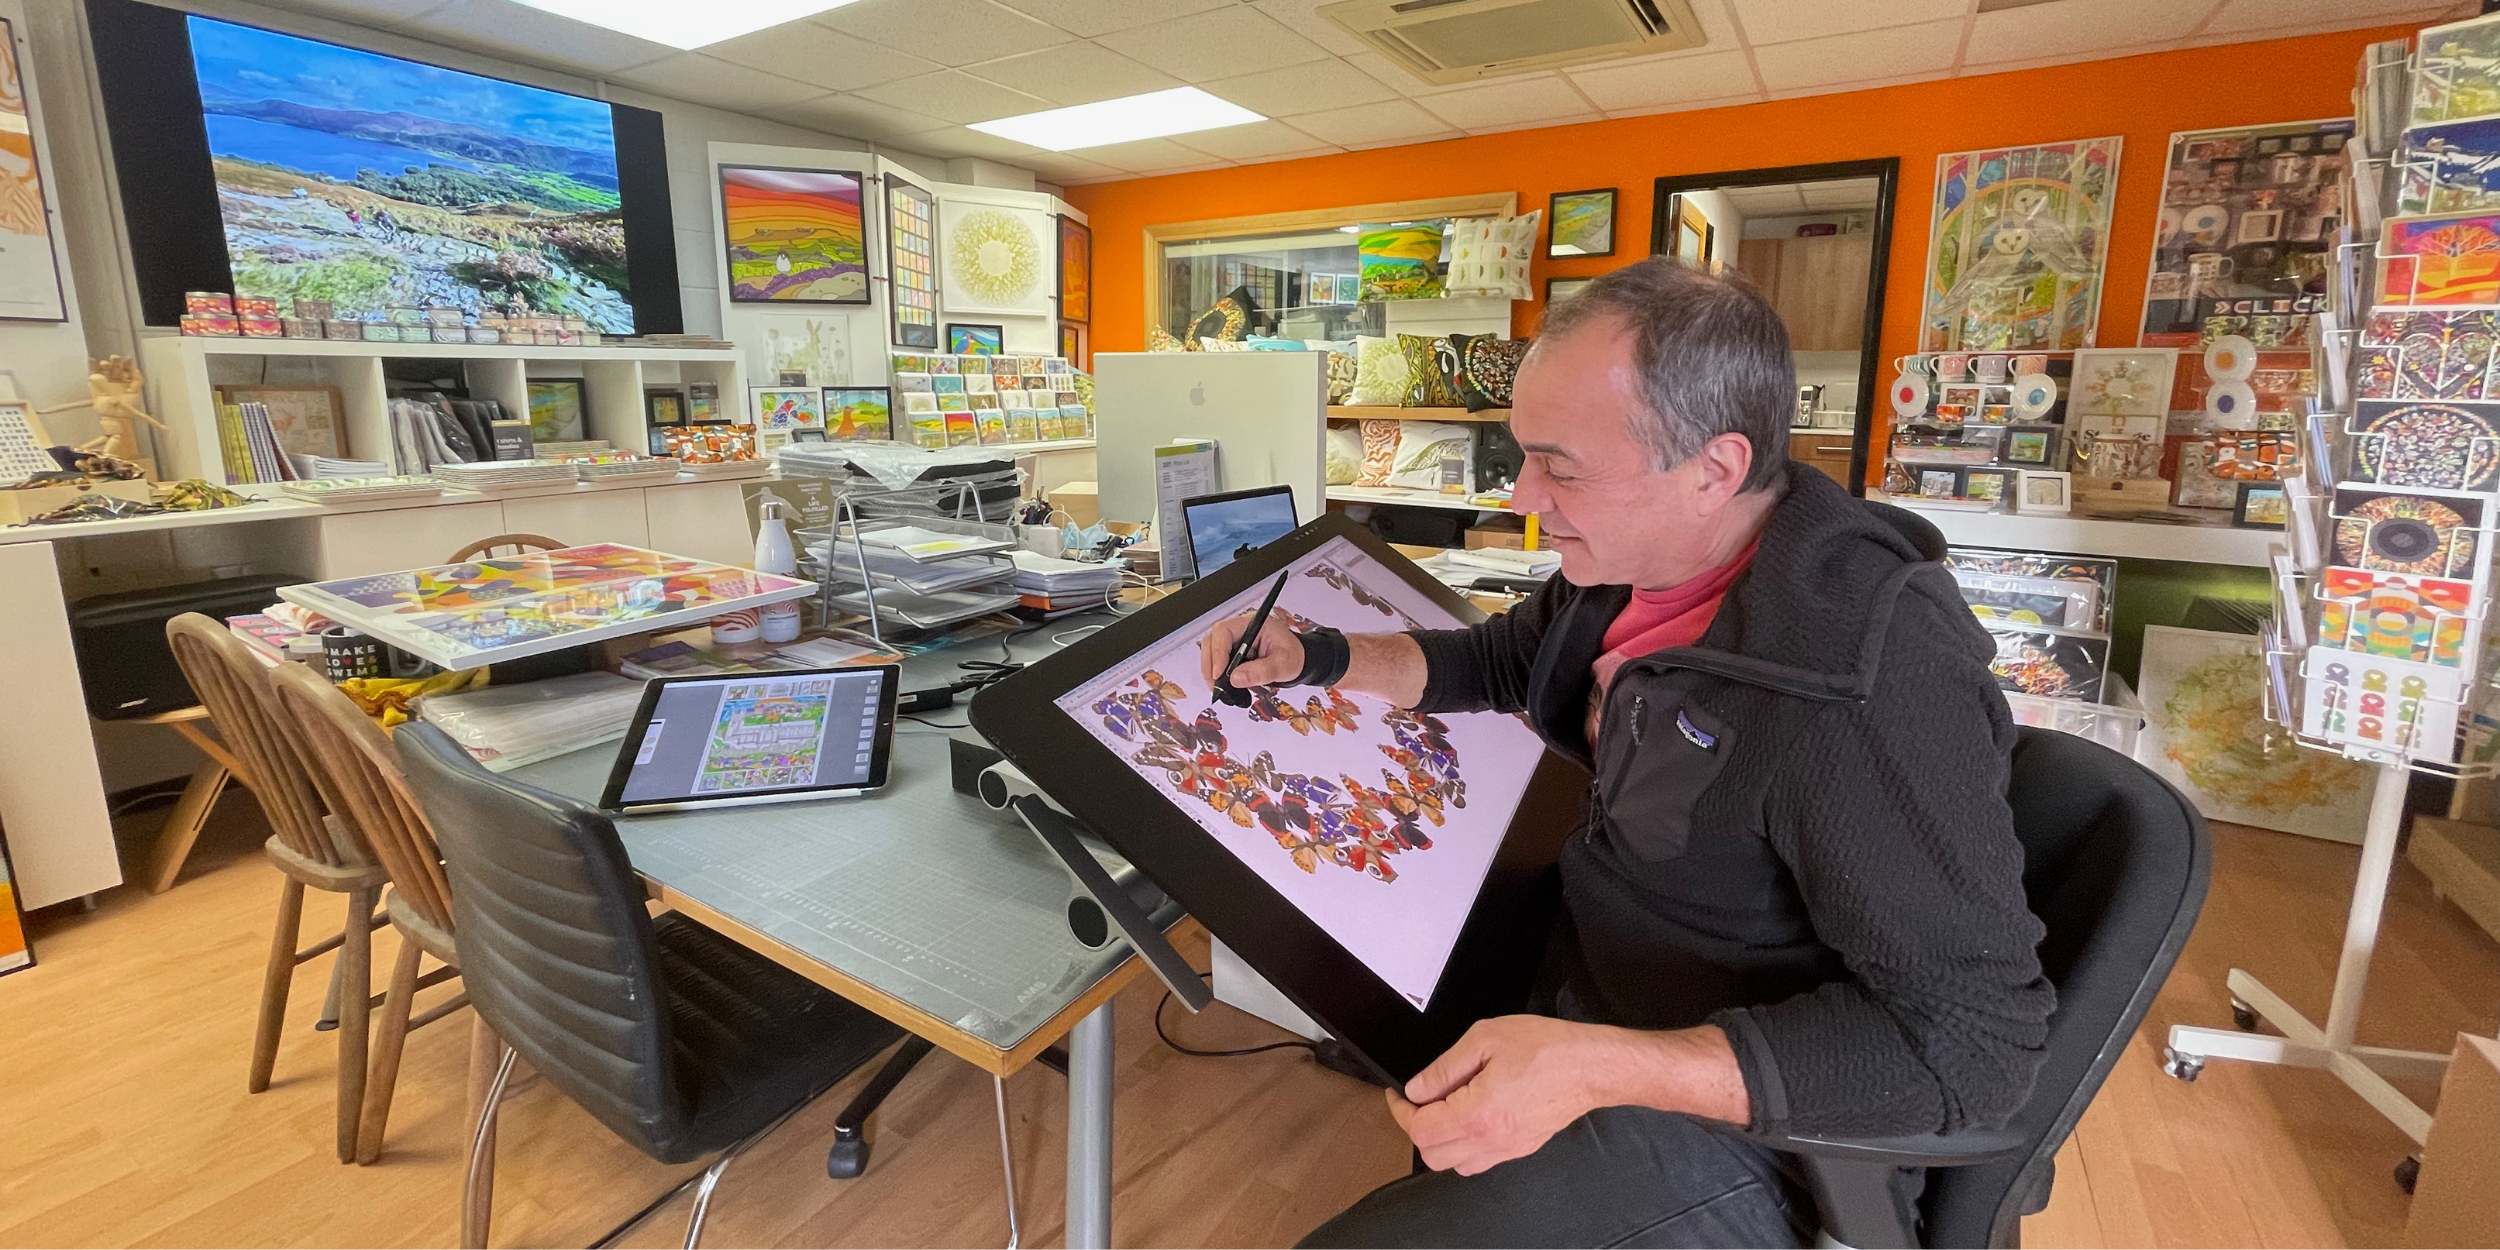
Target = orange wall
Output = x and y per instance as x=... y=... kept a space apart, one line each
x=2144 y=98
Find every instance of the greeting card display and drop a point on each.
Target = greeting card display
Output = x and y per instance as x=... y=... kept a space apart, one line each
x=2432 y=446
x=2387 y=531
x=2457 y=74
x=2380 y=703
x=2447 y=167
x=2409 y=353
x=2423 y=619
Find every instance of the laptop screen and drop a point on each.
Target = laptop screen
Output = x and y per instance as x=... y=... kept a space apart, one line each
x=760 y=733
x=1224 y=527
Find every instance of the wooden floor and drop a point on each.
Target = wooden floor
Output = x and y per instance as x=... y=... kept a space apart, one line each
x=122 y=1061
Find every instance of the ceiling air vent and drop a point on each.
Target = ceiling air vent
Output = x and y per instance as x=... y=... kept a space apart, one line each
x=1453 y=41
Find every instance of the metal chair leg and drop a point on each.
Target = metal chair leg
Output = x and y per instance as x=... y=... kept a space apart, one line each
x=1006 y=1165
x=474 y=1214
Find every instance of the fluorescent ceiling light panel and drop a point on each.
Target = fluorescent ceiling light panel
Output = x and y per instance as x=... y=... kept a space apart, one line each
x=1125 y=120
x=680 y=24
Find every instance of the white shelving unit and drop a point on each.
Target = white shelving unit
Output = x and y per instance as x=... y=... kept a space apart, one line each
x=184 y=372
x=2081 y=534
x=1405 y=496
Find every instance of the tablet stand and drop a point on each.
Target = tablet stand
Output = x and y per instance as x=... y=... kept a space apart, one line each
x=1107 y=901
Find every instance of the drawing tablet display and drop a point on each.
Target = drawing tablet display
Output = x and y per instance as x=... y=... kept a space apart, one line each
x=756 y=738
x=1386 y=870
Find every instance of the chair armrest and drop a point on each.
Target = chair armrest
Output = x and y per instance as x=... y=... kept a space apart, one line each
x=1859 y=1194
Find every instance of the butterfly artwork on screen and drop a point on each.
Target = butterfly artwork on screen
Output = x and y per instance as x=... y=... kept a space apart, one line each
x=2439 y=261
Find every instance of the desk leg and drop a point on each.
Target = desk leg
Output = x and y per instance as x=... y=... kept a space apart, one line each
x=1089 y=1131
x=183 y=825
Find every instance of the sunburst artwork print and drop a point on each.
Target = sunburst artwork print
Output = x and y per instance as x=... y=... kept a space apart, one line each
x=993 y=262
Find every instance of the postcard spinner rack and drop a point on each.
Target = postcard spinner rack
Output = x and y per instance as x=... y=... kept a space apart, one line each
x=857 y=574
x=2382 y=641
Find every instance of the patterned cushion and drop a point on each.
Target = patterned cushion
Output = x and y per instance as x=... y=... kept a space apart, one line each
x=1158 y=340
x=1380 y=374
x=1341 y=375
x=1489 y=255
x=1380 y=452
x=1345 y=453
x=1423 y=445
x=1221 y=345
x=1486 y=367
x=1227 y=319
x=1428 y=386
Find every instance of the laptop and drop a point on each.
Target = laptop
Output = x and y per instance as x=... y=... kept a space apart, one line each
x=774 y=737
x=1223 y=528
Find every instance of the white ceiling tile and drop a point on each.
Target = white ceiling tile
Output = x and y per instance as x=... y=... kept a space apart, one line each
x=1305 y=88
x=1666 y=81
x=961 y=141
x=1068 y=168
x=828 y=58
x=1756 y=200
x=1089 y=18
x=1922 y=49
x=1142 y=155
x=1853 y=193
x=367 y=12
x=857 y=118
x=949 y=32
x=1693 y=107
x=1842 y=88
x=1508 y=105
x=2262 y=15
x=702 y=80
x=1073 y=73
x=1389 y=73
x=1974 y=69
x=1224 y=43
x=955 y=96
x=1253 y=141
x=514 y=30
x=2054 y=29
x=1408 y=141
x=1370 y=125
x=1784 y=21
x=1299 y=15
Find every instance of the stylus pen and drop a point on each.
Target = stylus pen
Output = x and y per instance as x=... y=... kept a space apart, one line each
x=1245 y=646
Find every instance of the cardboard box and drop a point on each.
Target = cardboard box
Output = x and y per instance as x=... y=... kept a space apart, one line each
x=2452 y=1202
x=1484 y=536
x=1082 y=501
x=17 y=506
x=2124 y=494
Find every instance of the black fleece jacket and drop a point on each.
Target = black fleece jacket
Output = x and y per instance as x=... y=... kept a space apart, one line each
x=1798 y=828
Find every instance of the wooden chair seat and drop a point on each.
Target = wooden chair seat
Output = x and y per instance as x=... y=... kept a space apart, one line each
x=336 y=878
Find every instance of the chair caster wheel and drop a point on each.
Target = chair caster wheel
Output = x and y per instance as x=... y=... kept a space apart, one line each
x=848 y=1157
x=2408 y=1171
x=2243 y=1016
x=2182 y=1067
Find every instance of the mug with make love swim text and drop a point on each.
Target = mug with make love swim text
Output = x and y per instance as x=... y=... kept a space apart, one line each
x=1953 y=367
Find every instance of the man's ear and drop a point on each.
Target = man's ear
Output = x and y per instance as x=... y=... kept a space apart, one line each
x=1723 y=462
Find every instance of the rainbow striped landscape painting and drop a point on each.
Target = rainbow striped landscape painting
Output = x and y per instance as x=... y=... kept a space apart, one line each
x=794 y=236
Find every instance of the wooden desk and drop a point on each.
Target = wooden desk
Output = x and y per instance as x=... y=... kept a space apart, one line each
x=917 y=903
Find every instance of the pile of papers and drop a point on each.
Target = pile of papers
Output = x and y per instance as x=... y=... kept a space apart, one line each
x=680 y=658
x=1511 y=562
x=715 y=470
x=609 y=466
x=1059 y=577
x=363 y=489
x=916 y=576
x=503 y=474
x=313 y=467
x=505 y=727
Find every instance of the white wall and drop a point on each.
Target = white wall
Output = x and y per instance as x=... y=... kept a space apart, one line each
x=1727 y=225
x=1855 y=222
x=49 y=359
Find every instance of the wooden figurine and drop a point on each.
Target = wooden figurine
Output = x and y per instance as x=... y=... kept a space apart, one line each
x=114 y=394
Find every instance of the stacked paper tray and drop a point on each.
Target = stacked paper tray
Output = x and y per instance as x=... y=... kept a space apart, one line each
x=719 y=470
x=604 y=470
x=361 y=489
x=502 y=474
x=936 y=611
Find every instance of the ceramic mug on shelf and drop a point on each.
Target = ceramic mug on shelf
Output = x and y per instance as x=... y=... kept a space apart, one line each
x=1953 y=366
x=1991 y=369
x=2033 y=362
x=1914 y=363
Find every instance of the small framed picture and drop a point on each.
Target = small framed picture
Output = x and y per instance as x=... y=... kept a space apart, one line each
x=2046 y=491
x=793 y=377
x=664 y=405
x=2260 y=226
x=1559 y=289
x=809 y=434
x=965 y=339
x=1581 y=223
x=1938 y=483
x=2031 y=448
x=1993 y=485
x=2261 y=506
x=1072 y=344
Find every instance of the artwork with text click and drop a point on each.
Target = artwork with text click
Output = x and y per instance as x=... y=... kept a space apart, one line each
x=767 y=733
x=1377 y=823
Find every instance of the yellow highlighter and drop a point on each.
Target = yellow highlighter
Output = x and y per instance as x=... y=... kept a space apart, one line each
x=1530 y=544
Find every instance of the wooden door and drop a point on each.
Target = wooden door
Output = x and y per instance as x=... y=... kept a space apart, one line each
x=1821 y=291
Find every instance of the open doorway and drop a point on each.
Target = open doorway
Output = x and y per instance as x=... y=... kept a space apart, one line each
x=1815 y=240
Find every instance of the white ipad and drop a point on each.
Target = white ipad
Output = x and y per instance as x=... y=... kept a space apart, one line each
x=756 y=738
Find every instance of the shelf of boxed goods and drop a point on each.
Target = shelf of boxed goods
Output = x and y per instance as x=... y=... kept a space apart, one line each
x=2082 y=535
x=184 y=371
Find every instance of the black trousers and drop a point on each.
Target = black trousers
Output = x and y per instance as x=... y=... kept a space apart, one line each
x=1623 y=1176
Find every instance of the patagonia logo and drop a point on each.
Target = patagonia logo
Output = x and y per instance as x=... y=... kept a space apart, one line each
x=1693 y=733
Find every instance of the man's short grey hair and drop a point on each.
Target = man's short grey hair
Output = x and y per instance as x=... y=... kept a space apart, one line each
x=1712 y=356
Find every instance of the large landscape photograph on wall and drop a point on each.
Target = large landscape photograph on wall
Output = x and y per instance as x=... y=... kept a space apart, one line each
x=378 y=183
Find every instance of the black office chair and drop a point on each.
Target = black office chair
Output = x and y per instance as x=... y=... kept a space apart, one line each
x=2116 y=863
x=679 y=1039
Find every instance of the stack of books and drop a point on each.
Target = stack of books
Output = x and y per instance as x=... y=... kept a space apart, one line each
x=364 y=489
x=314 y=467
x=248 y=443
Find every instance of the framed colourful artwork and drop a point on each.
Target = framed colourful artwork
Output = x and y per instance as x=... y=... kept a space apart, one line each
x=1076 y=271
x=965 y=339
x=859 y=414
x=2246 y=231
x=1072 y=344
x=911 y=262
x=2449 y=260
x=1581 y=223
x=2016 y=247
x=793 y=236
